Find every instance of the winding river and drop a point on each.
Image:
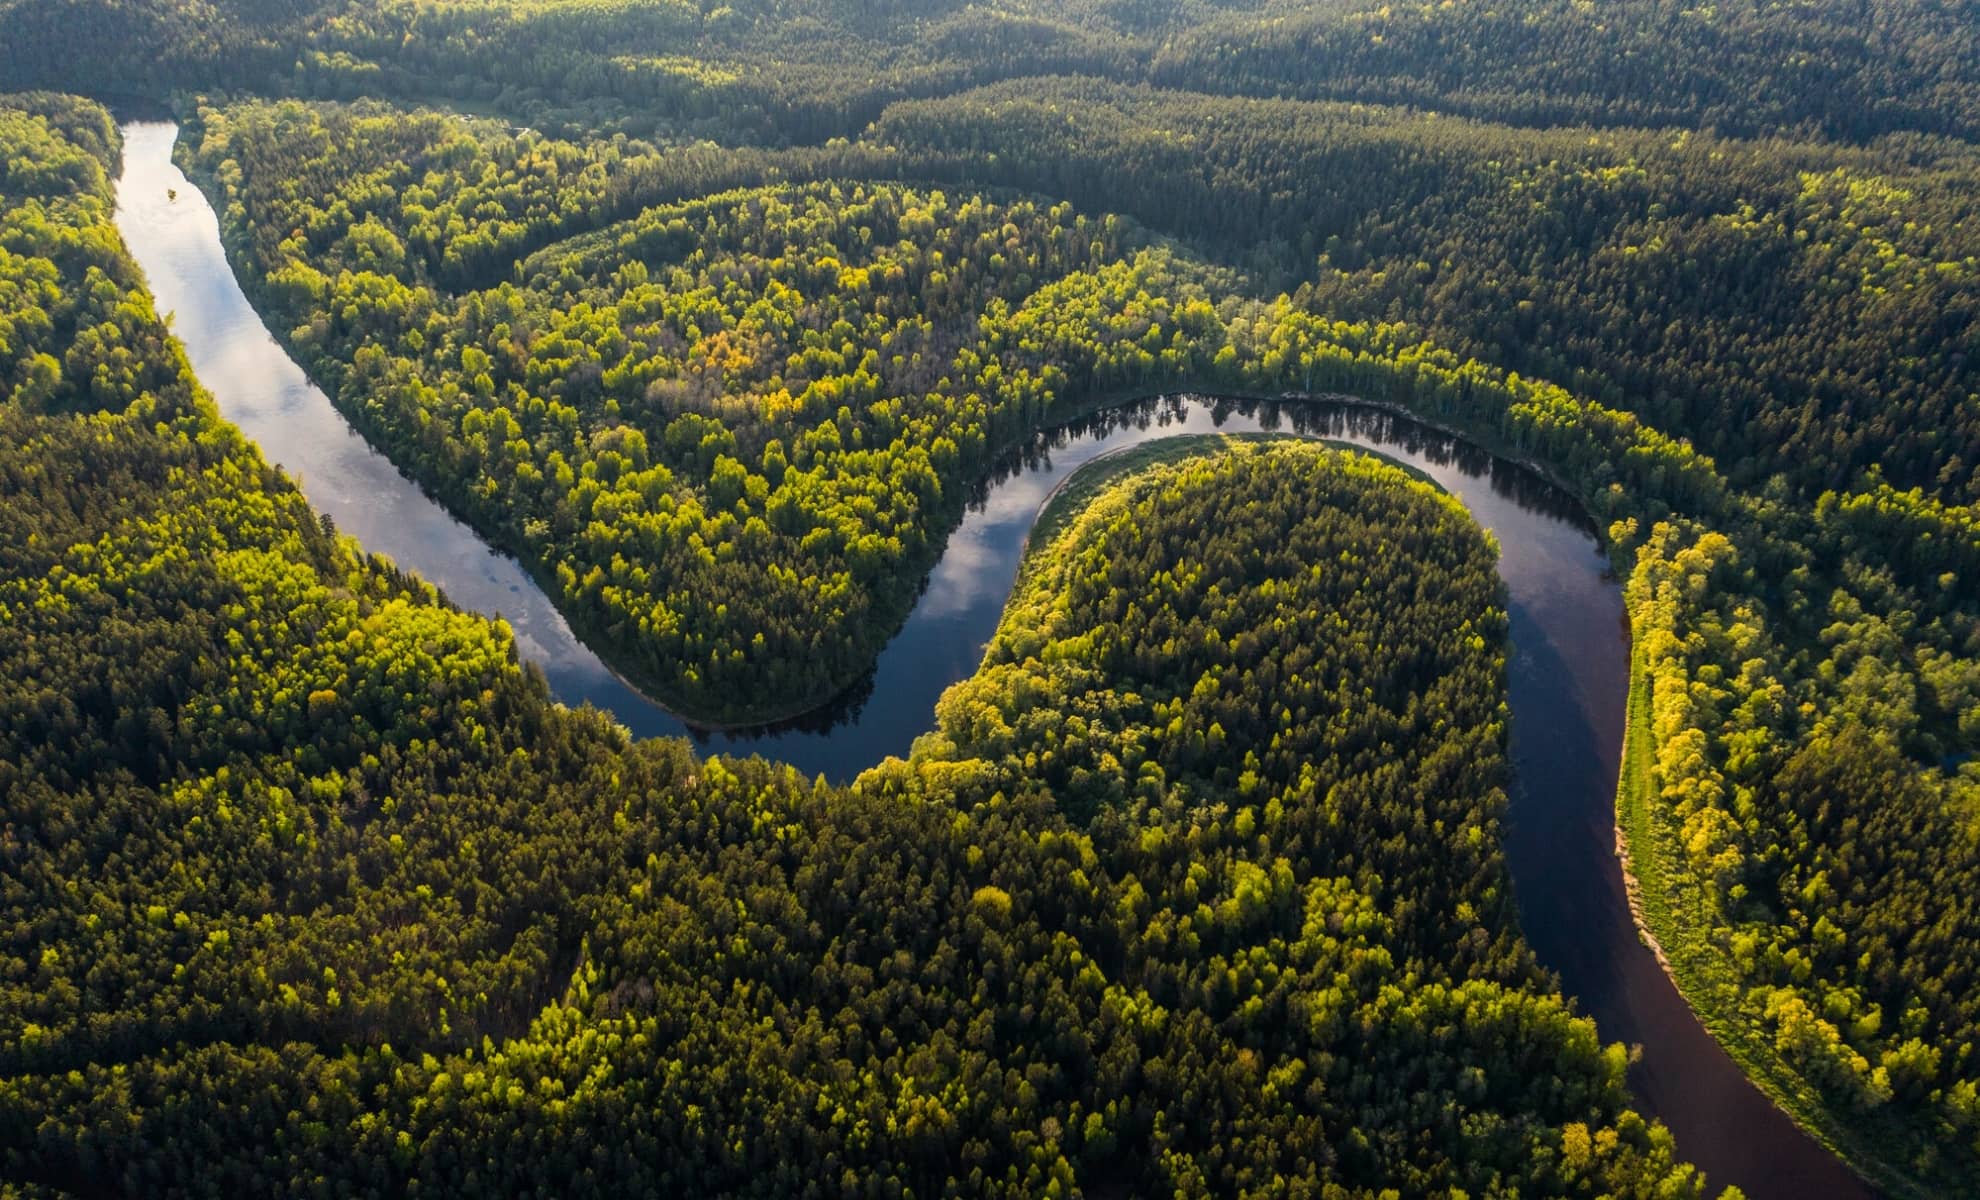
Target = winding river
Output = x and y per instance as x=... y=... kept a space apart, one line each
x=1568 y=674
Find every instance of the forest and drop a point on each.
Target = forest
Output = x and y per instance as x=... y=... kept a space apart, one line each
x=716 y=317
x=311 y=888
x=781 y=72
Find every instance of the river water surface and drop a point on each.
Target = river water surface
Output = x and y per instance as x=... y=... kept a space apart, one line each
x=1567 y=681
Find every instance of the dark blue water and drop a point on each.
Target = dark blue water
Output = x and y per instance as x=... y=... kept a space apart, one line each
x=1567 y=681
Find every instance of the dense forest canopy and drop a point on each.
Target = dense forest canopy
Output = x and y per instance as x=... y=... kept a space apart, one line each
x=715 y=315
x=1794 y=307
x=310 y=887
x=802 y=72
x=1795 y=600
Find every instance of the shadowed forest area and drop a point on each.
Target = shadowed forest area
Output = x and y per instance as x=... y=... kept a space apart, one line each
x=714 y=317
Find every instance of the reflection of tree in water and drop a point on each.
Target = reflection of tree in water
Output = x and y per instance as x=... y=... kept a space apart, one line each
x=1036 y=453
x=1535 y=494
x=1337 y=417
x=843 y=709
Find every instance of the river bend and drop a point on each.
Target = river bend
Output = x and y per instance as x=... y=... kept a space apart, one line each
x=1568 y=672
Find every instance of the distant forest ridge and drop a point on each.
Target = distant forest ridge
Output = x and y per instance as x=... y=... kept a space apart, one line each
x=714 y=316
x=802 y=72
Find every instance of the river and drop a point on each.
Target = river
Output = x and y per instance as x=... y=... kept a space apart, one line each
x=1567 y=681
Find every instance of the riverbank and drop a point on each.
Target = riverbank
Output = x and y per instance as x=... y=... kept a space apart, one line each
x=1672 y=919
x=842 y=650
x=1568 y=685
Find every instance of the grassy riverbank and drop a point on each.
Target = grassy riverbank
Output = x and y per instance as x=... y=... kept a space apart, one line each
x=1674 y=918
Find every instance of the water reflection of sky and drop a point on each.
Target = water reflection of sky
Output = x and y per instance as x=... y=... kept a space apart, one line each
x=1551 y=564
x=1566 y=680
x=261 y=390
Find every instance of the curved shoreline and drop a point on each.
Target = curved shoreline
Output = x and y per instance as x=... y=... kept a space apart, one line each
x=834 y=697
x=1569 y=641
x=1638 y=842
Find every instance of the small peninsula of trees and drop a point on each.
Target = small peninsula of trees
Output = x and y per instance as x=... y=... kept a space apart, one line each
x=1801 y=583
x=715 y=314
x=309 y=886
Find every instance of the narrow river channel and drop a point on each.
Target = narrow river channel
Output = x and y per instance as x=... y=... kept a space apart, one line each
x=1568 y=675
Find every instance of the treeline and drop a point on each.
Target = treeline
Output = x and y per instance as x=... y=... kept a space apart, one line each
x=730 y=432
x=208 y=698
x=309 y=887
x=832 y=363
x=1250 y=612
x=1794 y=308
x=1769 y=346
x=62 y=308
x=767 y=70
x=451 y=200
